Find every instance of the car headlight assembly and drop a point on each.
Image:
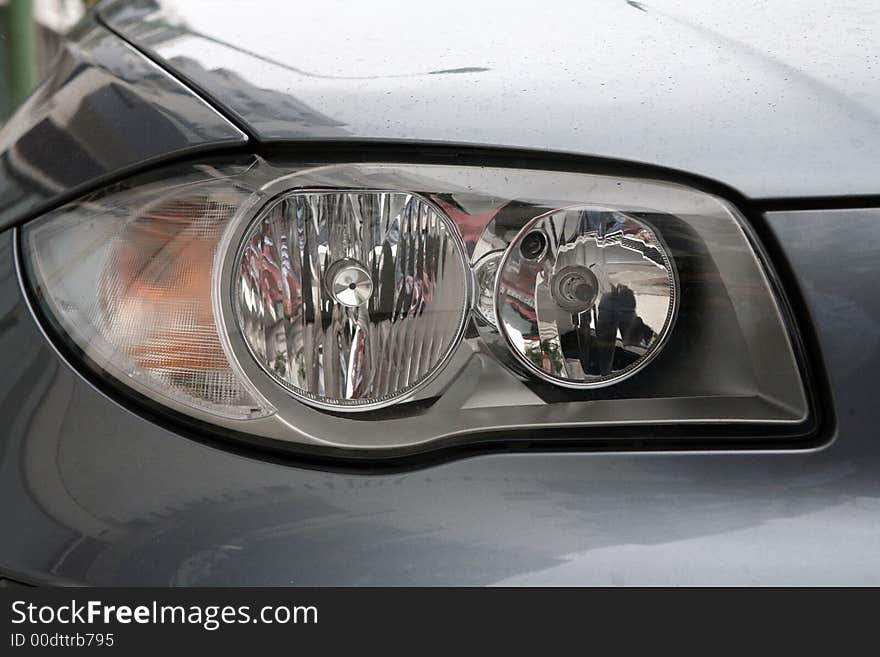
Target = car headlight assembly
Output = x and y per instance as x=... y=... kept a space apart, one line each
x=391 y=308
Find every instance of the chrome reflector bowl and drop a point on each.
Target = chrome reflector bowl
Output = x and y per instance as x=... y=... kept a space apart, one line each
x=352 y=299
x=585 y=296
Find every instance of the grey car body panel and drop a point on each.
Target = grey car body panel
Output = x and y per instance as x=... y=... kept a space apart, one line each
x=749 y=98
x=91 y=493
x=103 y=110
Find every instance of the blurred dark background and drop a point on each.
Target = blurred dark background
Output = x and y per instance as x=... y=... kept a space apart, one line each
x=30 y=36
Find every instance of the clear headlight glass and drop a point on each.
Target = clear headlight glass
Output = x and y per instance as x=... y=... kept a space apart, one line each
x=352 y=299
x=433 y=304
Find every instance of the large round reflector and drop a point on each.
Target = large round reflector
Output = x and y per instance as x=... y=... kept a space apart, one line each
x=352 y=299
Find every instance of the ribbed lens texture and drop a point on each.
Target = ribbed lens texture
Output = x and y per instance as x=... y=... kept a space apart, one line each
x=351 y=298
x=130 y=280
x=155 y=298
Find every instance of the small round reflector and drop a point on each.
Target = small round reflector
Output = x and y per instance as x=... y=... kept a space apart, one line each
x=585 y=296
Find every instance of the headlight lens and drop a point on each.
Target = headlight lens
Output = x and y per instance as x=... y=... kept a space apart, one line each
x=354 y=299
x=449 y=303
x=130 y=281
x=586 y=296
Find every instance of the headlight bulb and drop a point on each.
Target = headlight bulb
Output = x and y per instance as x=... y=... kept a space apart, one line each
x=485 y=273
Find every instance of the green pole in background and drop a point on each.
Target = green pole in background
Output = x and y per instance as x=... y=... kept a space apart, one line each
x=21 y=51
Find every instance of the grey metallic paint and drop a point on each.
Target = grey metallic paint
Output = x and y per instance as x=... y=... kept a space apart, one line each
x=773 y=99
x=104 y=110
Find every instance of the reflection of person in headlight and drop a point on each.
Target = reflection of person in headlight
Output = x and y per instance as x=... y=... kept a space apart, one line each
x=614 y=315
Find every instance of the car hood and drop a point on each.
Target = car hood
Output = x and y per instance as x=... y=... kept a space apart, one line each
x=774 y=99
